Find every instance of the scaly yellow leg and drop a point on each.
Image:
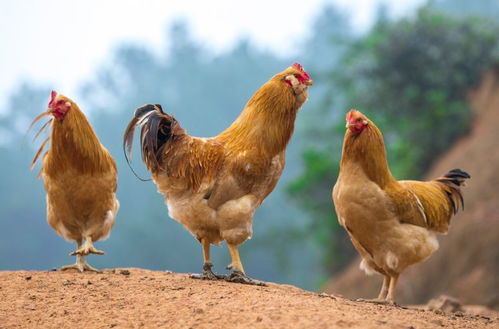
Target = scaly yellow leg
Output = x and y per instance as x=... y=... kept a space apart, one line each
x=81 y=264
x=384 y=288
x=236 y=264
x=392 y=289
x=207 y=272
x=206 y=251
x=382 y=294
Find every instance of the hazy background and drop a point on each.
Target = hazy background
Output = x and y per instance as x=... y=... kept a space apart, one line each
x=407 y=64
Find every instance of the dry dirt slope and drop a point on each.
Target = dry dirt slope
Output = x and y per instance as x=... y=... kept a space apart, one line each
x=136 y=298
x=467 y=264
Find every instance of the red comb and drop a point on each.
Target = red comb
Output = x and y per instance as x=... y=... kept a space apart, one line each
x=298 y=66
x=53 y=94
x=304 y=76
x=350 y=114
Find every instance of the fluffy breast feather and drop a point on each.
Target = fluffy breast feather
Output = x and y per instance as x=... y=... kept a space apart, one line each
x=78 y=205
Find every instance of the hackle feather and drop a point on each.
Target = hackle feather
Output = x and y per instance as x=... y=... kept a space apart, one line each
x=74 y=144
x=45 y=142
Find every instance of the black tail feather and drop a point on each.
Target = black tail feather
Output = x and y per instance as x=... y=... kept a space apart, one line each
x=158 y=128
x=455 y=179
x=457 y=172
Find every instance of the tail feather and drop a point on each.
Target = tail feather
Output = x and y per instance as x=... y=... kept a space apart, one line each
x=454 y=180
x=158 y=128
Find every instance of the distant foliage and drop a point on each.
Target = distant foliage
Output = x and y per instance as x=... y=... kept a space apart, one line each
x=483 y=9
x=411 y=77
x=414 y=75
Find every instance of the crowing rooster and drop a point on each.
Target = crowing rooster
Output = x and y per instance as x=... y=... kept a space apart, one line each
x=80 y=178
x=391 y=223
x=212 y=186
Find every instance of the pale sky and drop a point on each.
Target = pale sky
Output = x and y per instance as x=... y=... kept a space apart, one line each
x=62 y=42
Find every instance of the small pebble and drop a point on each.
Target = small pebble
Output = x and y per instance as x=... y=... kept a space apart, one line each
x=198 y=310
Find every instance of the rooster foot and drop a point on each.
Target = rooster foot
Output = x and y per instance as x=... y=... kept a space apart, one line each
x=240 y=277
x=81 y=265
x=207 y=273
x=87 y=248
x=377 y=301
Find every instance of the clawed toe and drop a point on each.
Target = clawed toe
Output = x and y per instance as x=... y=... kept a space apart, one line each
x=377 y=301
x=87 y=267
x=79 y=267
x=71 y=267
x=86 y=251
x=374 y=301
x=240 y=277
x=86 y=248
x=80 y=253
x=207 y=274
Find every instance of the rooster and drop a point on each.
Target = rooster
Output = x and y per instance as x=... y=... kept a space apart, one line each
x=80 y=178
x=212 y=186
x=392 y=224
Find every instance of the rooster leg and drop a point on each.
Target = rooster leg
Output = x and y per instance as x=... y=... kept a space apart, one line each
x=384 y=288
x=236 y=266
x=207 y=272
x=392 y=289
x=87 y=248
x=382 y=294
x=81 y=264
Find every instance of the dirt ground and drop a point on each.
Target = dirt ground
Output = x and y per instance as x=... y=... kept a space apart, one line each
x=136 y=298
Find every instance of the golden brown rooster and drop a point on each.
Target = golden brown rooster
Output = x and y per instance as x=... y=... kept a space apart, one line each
x=80 y=178
x=391 y=223
x=212 y=186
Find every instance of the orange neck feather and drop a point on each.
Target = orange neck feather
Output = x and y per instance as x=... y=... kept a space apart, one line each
x=266 y=124
x=74 y=144
x=367 y=150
